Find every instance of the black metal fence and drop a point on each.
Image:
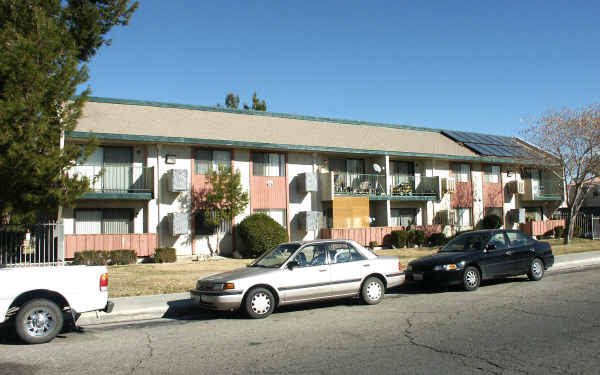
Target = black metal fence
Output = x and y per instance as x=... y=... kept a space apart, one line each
x=31 y=245
x=587 y=226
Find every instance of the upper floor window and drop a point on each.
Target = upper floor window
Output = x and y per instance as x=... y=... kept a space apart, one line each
x=491 y=173
x=109 y=156
x=268 y=164
x=210 y=160
x=462 y=172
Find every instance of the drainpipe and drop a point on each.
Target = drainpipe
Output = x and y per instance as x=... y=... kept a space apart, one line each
x=61 y=145
x=158 y=228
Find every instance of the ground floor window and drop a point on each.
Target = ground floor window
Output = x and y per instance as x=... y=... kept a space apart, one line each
x=463 y=217
x=402 y=217
x=279 y=215
x=494 y=211
x=104 y=221
x=201 y=225
x=533 y=214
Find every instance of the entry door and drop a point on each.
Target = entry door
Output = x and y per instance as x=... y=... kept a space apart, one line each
x=117 y=169
x=310 y=279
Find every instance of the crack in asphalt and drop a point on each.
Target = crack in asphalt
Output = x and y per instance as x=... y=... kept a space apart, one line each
x=148 y=356
x=523 y=311
x=408 y=335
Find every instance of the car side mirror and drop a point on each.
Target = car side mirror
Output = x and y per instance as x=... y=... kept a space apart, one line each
x=293 y=264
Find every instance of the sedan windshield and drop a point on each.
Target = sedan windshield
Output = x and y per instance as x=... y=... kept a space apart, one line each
x=467 y=242
x=276 y=257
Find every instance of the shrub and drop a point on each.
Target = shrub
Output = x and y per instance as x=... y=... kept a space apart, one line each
x=559 y=231
x=372 y=244
x=103 y=257
x=165 y=255
x=419 y=237
x=492 y=222
x=399 y=238
x=122 y=257
x=410 y=238
x=437 y=239
x=260 y=233
x=577 y=231
x=91 y=257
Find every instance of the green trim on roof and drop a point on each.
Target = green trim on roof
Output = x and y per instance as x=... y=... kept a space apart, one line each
x=289 y=147
x=256 y=113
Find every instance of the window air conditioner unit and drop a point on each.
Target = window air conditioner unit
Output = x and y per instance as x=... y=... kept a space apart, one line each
x=307 y=182
x=520 y=187
x=178 y=180
x=308 y=220
x=449 y=185
x=178 y=223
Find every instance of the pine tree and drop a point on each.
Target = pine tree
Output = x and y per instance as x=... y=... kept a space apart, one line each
x=43 y=44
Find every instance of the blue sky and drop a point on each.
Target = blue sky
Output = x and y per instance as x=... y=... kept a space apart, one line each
x=485 y=66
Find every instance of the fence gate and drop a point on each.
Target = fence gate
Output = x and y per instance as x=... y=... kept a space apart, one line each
x=31 y=245
x=596 y=227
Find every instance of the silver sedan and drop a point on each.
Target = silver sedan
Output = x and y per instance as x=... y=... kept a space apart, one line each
x=297 y=272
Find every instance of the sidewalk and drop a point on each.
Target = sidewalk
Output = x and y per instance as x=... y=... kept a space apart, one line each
x=130 y=309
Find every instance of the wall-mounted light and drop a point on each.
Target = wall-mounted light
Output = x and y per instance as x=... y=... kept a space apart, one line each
x=170 y=159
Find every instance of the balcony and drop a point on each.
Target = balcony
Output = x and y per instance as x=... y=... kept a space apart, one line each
x=543 y=190
x=414 y=188
x=117 y=182
x=403 y=188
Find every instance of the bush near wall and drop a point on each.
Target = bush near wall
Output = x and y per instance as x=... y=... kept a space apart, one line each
x=260 y=233
x=437 y=239
x=419 y=237
x=165 y=255
x=104 y=257
x=559 y=231
x=492 y=222
x=399 y=238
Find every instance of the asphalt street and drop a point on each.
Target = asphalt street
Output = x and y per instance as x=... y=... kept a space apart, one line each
x=512 y=326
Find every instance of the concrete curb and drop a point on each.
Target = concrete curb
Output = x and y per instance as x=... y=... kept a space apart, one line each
x=131 y=309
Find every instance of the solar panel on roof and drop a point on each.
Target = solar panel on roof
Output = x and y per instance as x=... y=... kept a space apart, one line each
x=484 y=144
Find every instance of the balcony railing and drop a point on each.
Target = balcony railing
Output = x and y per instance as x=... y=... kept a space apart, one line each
x=117 y=179
x=409 y=186
x=358 y=184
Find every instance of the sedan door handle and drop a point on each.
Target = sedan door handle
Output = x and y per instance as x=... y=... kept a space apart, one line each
x=509 y=252
x=323 y=270
x=366 y=265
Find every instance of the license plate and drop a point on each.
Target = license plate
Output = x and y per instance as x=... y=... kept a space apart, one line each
x=418 y=276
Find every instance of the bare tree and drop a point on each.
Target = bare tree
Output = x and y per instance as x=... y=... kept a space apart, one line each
x=571 y=139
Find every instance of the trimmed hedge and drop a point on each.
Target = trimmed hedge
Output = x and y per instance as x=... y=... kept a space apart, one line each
x=260 y=233
x=437 y=239
x=492 y=222
x=104 y=257
x=419 y=237
x=399 y=238
x=372 y=244
x=165 y=255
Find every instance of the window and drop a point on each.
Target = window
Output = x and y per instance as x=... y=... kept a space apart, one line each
x=498 y=240
x=311 y=256
x=402 y=217
x=342 y=253
x=463 y=217
x=210 y=160
x=276 y=214
x=402 y=172
x=462 y=172
x=517 y=238
x=104 y=221
x=491 y=174
x=201 y=226
x=494 y=211
x=268 y=164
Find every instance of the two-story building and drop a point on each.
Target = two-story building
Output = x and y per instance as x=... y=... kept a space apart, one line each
x=307 y=173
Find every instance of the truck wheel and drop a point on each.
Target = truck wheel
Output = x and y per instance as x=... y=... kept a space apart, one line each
x=39 y=321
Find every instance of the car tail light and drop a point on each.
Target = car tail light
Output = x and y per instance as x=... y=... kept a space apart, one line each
x=104 y=282
x=399 y=266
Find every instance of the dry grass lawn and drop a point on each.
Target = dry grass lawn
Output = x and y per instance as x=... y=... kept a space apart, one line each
x=147 y=279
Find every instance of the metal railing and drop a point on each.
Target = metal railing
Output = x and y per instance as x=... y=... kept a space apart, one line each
x=587 y=226
x=117 y=179
x=402 y=185
x=31 y=245
x=549 y=188
x=358 y=184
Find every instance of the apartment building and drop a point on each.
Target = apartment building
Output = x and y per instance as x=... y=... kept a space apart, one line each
x=307 y=173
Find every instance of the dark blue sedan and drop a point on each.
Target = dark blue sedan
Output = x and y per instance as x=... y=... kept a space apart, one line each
x=482 y=255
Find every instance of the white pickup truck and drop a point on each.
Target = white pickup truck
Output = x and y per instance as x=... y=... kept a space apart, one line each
x=37 y=297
